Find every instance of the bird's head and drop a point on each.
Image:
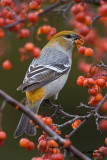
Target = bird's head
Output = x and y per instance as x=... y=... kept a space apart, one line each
x=65 y=39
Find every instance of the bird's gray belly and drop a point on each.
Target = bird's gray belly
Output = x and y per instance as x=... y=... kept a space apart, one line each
x=54 y=87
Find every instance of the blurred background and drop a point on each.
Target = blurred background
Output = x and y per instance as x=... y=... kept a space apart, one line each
x=87 y=138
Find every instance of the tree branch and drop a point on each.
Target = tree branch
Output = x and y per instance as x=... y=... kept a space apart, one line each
x=44 y=127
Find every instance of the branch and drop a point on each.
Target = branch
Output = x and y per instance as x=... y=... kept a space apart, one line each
x=44 y=127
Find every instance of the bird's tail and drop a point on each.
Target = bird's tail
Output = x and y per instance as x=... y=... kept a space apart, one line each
x=25 y=125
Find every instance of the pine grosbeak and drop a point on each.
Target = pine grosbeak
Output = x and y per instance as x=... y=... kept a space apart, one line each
x=47 y=75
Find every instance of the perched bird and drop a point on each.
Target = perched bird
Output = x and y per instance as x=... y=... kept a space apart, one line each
x=46 y=75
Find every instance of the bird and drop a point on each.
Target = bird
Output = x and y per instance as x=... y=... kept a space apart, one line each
x=46 y=76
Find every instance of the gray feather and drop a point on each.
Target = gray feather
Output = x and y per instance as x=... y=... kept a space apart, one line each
x=45 y=69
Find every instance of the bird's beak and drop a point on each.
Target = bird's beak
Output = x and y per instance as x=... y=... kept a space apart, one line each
x=78 y=40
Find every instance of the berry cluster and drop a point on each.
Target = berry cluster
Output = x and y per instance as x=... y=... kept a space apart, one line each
x=30 y=48
x=47 y=145
x=48 y=30
x=94 y=86
x=102 y=151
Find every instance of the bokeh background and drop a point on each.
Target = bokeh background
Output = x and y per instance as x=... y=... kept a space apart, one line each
x=86 y=139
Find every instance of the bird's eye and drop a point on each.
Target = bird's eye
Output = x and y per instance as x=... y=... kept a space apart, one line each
x=68 y=36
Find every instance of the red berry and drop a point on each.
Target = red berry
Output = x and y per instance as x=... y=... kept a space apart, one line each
x=7 y=65
x=96 y=153
x=52 y=143
x=67 y=143
x=88 y=52
x=88 y=20
x=45 y=29
x=80 y=80
x=103 y=125
x=100 y=82
x=47 y=120
x=103 y=10
x=80 y=17
x=29 y=46
x=32 y=17
x=83 y=30
x=24 y=142
x=2 y=136
x=102 y=150
x=98 y=97
x=33 y=5
x=104 y=107
x=106 y=141
x=24 y=33
x=36 y=52
x=81 y=50
x=91 y=81
x=92 y=91
x=42 y=145
x=31 y=146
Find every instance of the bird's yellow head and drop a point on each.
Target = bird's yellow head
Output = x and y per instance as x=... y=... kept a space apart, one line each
x=65 y=40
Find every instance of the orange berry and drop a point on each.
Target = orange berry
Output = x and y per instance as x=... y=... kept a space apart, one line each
x=103 y=10
x=47 y=120
x=7 y=65
x=76 y=123
x=32 y=17
x=83 y=30
x=80 y=17
x=24 y=142
x=95 y=154
x=31 y=146
x=66 y=143
x=85 y=83
x=103 y=150
x=87 y=20
x=103 y=125
x=100 y=82
x=2 y=136
x=55 y=150
x=88 y=52
x=92 y=101
x=36 y=52
x=98 y=97
x=45 y=29
x=80 y=80
x=92 y=91
x=29 y=47
x=42 y=145
x=57 y=157
x=42 y=137
x=24 y=33
x=58 y=132
x=91 y=81
x=33 y=5
x=106 y=141
x=104 y=107
x=52 y=143
x=81 y=50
